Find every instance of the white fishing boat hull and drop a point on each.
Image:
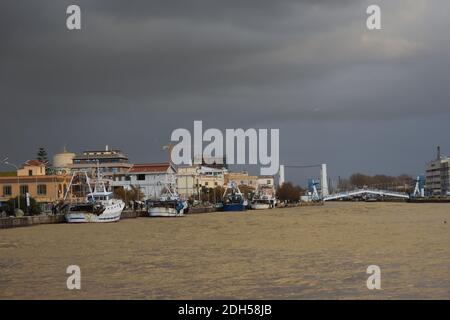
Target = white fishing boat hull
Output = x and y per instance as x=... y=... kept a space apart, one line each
x=112 y=213
x=260 y=206
x=164 y=212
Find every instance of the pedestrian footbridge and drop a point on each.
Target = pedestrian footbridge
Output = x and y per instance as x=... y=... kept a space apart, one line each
x=357 y=192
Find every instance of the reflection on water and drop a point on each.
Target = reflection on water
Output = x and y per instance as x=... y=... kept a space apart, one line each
x=297 y=253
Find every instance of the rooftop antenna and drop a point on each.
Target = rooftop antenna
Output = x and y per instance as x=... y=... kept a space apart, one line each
x=438 y=153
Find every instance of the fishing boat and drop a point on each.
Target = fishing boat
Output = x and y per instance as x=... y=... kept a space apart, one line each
x=169 y=204
x=233 y=199
x=261 y=203
x=263 y=199
x=99 y=205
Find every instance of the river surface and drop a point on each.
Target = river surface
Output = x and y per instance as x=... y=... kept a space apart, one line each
x=294 y=253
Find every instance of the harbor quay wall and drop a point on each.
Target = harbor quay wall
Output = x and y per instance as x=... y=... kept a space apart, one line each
x=201 y=210
x=130 y=214
x=14 y=222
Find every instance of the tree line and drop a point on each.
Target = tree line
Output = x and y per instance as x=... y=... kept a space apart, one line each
x=359 y=180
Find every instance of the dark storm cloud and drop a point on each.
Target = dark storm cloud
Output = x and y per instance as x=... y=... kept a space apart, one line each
x=150 y=48
x=139 y=69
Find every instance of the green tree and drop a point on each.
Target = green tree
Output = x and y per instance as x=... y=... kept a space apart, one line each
x=381 y=181
x=43 y=157
x=127 y=196
x=34 y=208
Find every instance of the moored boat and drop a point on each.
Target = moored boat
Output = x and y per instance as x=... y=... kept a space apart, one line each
x=260 y=204
x=99 y=205
x=168 y=205
x=263 y=199
x=233 y=199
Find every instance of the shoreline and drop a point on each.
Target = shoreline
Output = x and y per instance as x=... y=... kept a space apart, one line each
x=28 y=221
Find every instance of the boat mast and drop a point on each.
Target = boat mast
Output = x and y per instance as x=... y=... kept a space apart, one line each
x=89 y=185
x=68 y=188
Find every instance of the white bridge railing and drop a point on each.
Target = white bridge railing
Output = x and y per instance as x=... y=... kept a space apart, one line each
x=356 y=192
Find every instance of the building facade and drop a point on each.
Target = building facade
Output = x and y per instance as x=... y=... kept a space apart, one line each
x=149 y=178
x=212 y=177
x=113 y=163
x=31 y=178
x=62 y=162
x=191 y=180
x=437 y=178
x=242 y=179
x=188 y=181
x=267 y=185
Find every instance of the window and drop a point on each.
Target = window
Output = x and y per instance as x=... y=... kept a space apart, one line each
x=7 y=190
x=206 y=183
x=268 y=181
x=30 y=172
x=140 y=177
x=41 y=189
x=23 y=189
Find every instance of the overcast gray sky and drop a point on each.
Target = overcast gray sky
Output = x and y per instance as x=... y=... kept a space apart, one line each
x=359 y=100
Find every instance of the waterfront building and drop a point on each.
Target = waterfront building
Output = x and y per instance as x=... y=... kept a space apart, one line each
x=211 y=162
x=188 y=181
x=437 y=178
x=149 y=178
x=62 y=162
x=31 y=168
x=114 y=164
x=192 y=179
x=242 y=179
x=267 y=183
x=31 y=178
x=212 y=177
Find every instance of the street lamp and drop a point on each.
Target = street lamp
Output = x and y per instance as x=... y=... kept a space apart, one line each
x=5 y=161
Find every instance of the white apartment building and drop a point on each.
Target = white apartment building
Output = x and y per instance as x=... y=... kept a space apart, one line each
x=437 y=178
x=150 y=178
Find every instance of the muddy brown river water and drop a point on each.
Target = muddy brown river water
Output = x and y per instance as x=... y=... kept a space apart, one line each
x=295 y=253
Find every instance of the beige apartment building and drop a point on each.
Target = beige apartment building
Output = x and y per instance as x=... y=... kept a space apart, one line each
x=242 y=179
x=267 y=183
x=192 y=179
x=31 y=178
x=188 y=181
